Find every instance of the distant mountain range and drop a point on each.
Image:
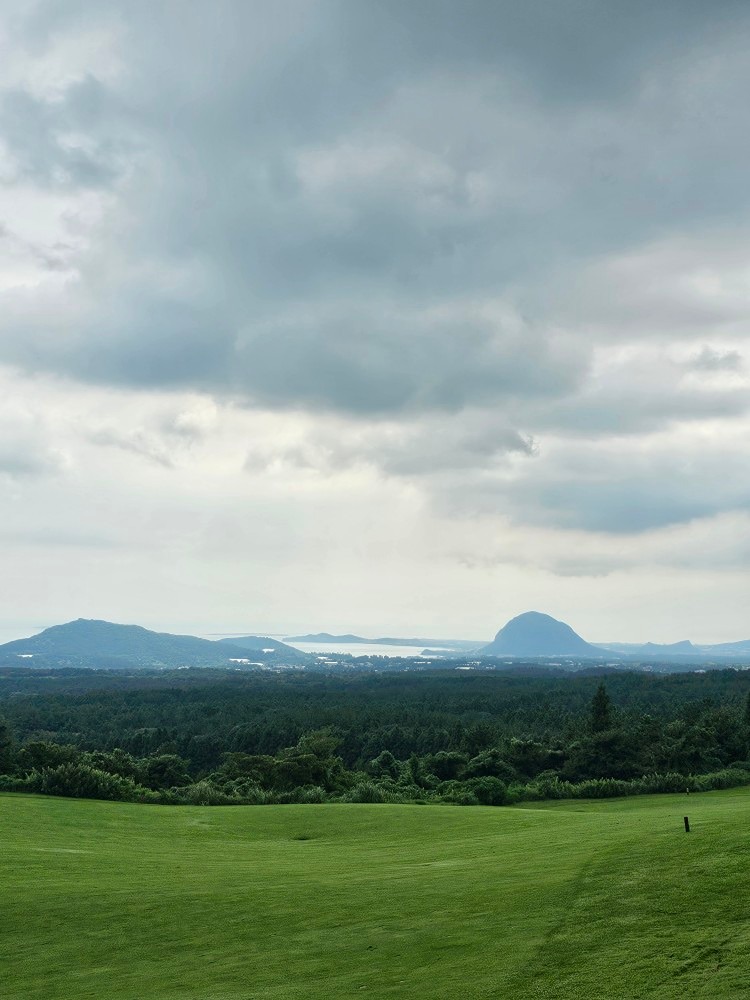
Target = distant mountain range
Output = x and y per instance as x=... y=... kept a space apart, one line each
x=350 y=640
x=529 y=636
x=739 y=651
x=88 y=640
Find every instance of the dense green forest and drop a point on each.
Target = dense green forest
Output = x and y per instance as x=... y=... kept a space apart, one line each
x=454 y=736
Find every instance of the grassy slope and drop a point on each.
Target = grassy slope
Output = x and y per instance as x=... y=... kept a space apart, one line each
x=580 y=900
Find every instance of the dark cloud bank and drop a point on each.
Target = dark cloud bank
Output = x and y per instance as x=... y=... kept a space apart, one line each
x=393 y=212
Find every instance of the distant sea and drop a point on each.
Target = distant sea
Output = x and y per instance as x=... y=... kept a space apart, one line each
x=356 y=648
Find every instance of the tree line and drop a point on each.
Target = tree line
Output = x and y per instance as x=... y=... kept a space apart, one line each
x=489 y=738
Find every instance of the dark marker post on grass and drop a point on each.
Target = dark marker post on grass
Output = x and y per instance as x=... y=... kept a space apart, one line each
x=687 y=824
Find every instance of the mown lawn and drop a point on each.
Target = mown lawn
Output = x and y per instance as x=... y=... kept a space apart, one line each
x=565 y=900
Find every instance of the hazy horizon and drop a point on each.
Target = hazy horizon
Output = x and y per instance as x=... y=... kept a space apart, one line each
x=10 y=633
x=320 y=315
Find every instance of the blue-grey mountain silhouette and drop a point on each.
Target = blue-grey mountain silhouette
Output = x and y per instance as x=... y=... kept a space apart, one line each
x=535 y=634
x=88 y=639
x=383 y=640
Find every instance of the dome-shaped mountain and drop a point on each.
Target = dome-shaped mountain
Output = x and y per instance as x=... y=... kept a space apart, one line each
x=535 y=634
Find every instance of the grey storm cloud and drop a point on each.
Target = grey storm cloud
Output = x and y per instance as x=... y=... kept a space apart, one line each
x=711 y=360
x=627 y=490
x=51 y=258
x=299 y=188
x=438 y=220
x=43 y=138
x=426 y=448
x=643 y=396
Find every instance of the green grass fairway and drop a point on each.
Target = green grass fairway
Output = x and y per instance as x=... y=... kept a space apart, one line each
x=564 y=900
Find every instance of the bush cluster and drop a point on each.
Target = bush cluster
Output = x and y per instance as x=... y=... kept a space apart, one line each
x=75 y=777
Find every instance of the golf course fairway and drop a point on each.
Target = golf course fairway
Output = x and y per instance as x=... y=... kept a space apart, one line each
x=553 y=900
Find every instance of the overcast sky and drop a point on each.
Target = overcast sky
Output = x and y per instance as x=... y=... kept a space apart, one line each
x=364 y=315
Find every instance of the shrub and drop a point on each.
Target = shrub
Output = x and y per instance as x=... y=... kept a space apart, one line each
x=461 y=797
x=367 y=791
x=602 y=788
x=246 y=791
x=300 y=795
x=489 y=791
x=313 y=794
x=203 y=793
x=83 y=782
x=670 y=781
x=11 y=783
x=552 y=787
x=730 y=777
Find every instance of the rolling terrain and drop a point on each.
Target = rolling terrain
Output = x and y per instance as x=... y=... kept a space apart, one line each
x=91 y=642
x=587 y=900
